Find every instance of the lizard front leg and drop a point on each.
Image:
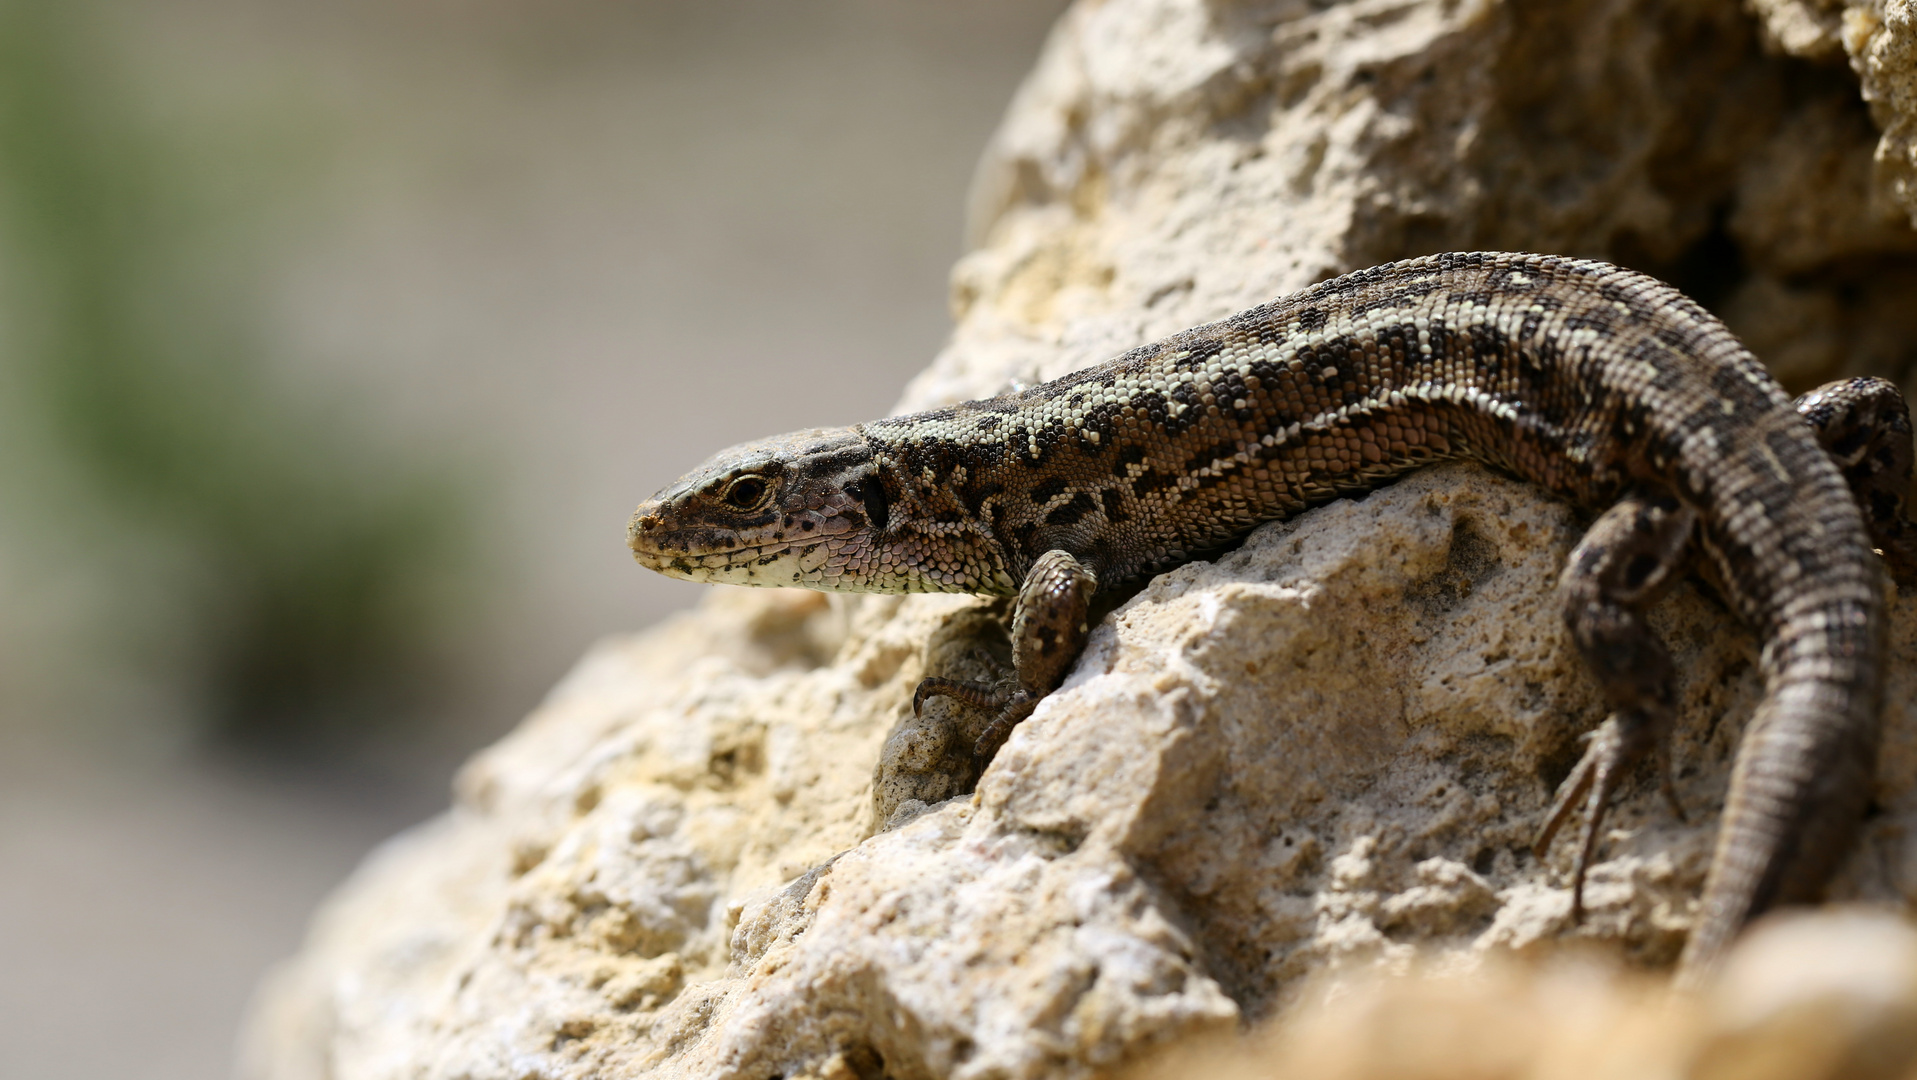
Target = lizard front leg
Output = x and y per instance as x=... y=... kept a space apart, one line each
x=1049 y=626
x=1623 y=564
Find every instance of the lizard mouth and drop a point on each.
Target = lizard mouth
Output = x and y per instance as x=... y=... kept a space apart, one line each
x=691 y=563
x=707 y=553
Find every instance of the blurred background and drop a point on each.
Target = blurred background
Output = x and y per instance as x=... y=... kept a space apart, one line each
x=337 y=341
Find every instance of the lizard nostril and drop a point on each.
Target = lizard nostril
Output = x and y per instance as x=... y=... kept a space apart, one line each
x=642 y=525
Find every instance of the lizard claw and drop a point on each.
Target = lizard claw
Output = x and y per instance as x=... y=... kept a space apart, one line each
x=979 y=697
x=1018 y=705
x=1007 y=708
x=1616 y=745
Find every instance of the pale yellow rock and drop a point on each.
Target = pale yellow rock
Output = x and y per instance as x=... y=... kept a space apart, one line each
x=1830 y=996
x=723 y=847
x=1323 y=749
x=1880 y=39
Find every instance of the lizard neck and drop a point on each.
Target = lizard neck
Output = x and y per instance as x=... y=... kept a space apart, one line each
x=933 y=539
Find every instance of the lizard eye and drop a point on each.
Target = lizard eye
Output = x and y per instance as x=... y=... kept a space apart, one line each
x=746 y=493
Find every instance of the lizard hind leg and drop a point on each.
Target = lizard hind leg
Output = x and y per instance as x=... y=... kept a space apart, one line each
x=1050 y=622
x=1624 y=563
x=1864 y=425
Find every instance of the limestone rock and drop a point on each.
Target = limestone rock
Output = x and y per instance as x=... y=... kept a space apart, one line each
x=1882 y=42
x=724 y=848
x=1806 y=997
x=1172 y=162
x=1880 y=39
x=1316 y=753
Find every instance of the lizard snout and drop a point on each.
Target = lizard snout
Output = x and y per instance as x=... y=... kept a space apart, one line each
x=645 y=521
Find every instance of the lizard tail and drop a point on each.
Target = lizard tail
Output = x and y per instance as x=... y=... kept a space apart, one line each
x=1804 y=770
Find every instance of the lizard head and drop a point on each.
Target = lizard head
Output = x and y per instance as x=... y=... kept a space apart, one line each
x=806 y=509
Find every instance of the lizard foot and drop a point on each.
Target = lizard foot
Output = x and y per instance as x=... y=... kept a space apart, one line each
x=1624 y=563
x=1007 y=707
x=1610 y=752
x=1048 y=631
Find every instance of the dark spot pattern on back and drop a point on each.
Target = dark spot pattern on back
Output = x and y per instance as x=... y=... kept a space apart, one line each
x=1072 y=512
x=1046 y=490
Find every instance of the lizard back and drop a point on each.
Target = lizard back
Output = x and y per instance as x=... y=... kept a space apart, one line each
x=1576 y=375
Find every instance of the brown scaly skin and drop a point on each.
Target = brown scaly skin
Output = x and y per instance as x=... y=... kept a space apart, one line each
x=1604 y=386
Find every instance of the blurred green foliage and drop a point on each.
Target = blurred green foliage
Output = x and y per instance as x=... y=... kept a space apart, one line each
x=287 y=574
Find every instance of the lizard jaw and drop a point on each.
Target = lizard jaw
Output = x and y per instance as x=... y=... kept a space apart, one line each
x=810 y=549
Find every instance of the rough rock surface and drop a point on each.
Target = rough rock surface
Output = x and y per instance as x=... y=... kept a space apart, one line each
x=1880 y=39
x=1823 y=997
x=722 y=848
x=1324 y=748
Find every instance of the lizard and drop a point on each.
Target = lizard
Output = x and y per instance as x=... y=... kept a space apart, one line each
x=1604 y=386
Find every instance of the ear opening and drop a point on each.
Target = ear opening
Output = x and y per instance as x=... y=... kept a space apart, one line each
x=870 y=490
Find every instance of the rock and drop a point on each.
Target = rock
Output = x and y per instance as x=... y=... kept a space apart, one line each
x=1805 y=997
x=724 y=848
x=1831 y=994
x=1314 y=754
x=1880 y=39
x=1171 y=162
